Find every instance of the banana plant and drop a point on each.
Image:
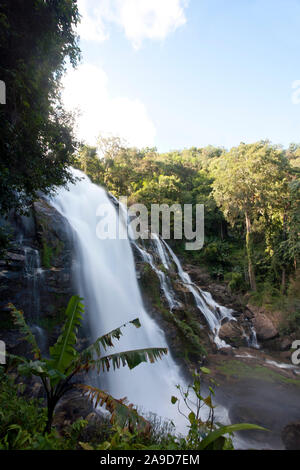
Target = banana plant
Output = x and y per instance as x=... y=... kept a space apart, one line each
x=64 y=362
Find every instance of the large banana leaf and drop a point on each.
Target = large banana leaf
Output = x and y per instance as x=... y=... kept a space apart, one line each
x=122 y=414
x=20 y=322
x=94 y=350
x=63 y=353
x=126 y=358
x=213 y=436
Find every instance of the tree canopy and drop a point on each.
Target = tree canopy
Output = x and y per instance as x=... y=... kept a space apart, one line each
x=250 y=194
x=37 y=39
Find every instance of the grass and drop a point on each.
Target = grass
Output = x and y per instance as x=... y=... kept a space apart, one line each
x=240 y=370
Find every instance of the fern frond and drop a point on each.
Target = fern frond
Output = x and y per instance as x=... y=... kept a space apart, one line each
x=19 y=321
x=122 y=414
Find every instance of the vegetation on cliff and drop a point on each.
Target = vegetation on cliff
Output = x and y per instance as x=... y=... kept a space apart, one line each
x=251 y=196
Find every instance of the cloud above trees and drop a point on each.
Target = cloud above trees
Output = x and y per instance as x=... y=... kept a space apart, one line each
x=139 y=19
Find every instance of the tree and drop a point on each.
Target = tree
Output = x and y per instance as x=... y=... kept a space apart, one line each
x=65 y=361
x=249 y=181
x=88 y=161
x=37 y=38
x=110 y=146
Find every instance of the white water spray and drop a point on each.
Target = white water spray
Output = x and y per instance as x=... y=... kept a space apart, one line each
x=213 y=312
x=106 y=279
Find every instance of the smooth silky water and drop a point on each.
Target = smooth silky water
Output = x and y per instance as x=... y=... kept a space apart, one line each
x=105 y=277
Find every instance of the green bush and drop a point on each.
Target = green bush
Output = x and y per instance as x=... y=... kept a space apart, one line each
x=217 y=252
x=236 y=281
x=23 y=419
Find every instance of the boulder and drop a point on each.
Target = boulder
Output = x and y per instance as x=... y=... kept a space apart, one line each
x=232 y=333
x=183 y=293
x=286 y=344
x=198 y=274
x=291 y=436
x=264 y=327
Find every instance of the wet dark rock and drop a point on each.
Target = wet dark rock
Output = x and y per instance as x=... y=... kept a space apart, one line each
x=291 y=436
x=70 y=408
x=15 y=343
x=54 y=235
x=226 y=351
x=232 y=333
x=36 y=272
x=183 y=293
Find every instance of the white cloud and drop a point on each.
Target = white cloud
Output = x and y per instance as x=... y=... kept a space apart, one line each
x=87 y=90
x=140 y=19
x=91 y=27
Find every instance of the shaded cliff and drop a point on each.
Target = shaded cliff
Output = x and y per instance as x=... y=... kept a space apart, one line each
x=36 y=272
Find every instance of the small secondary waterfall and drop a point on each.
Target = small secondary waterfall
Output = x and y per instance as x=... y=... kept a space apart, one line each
x=253 y=339
x=106 y=279
x=165 y=285
x=33 y=273
x=212 y=311
x=35 y=278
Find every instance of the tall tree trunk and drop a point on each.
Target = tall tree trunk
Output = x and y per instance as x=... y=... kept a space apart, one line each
x=249 y=253
x=283 y=275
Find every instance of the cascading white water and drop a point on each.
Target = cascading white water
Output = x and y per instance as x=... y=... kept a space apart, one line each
x=106 y=279
x=34 y=275
x=35 y=278
x=148 y=258
x=168 y=293
x=212 y=311
x=253 y=339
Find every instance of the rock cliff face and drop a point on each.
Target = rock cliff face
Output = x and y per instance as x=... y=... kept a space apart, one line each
x=36 y=276
x=36 y=272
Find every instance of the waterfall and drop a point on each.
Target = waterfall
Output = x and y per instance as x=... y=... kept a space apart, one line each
x=253 y=343
x=212 y=311
x=106 y=279
x=34 y=274
x=164 y=283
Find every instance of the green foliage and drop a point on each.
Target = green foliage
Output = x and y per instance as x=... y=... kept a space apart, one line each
x=37 y=39
x=46 y=255
x=123 y=415
x=202 y=434
x=236 y=281
x=57 y=371
x=19 y=417
x=63 y=352
x=254 y=187
x=20 y=323
x=291 y=321
x=23 y=419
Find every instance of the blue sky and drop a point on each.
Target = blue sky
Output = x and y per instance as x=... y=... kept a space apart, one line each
x=179 y=73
